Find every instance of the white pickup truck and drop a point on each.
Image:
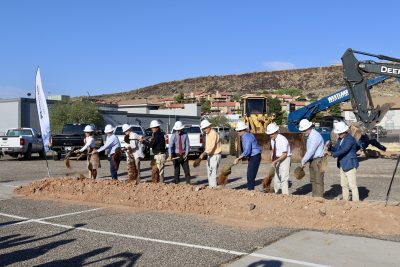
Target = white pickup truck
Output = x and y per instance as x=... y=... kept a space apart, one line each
x=195 y=138
x=21 y=141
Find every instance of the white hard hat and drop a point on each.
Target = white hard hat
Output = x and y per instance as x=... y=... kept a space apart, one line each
x=178 y=126
x=272 y=128
x=125 y=127
x=204 y=124
x=88 y=129
x=340 y=127
x=154 y=124
x=241 y=125
x=108 y=128
x=304 y=124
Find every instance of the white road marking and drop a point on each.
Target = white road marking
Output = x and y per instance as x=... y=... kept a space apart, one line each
x=27 y=220
x=69 y=214
x=232 y=252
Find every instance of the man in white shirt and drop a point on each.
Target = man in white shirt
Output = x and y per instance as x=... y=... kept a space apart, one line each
x=280 y=157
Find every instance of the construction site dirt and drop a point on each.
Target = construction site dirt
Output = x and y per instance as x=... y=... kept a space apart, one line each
x=230 y=205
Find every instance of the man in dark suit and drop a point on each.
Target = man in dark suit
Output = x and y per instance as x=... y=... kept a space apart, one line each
x=347 y=161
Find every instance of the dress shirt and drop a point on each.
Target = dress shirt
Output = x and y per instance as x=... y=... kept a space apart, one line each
x=315 y=147
x=111 y=144
x=249 y=145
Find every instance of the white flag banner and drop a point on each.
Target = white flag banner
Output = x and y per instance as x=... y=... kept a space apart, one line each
x=43 y=112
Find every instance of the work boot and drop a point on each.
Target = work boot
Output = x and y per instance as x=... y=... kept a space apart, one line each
x=188 y=180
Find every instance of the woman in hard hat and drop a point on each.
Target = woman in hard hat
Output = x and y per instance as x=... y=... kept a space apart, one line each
x=280 y=157
x=345 y=151
x=93 y=161
x=251 y=151
x=135 y=145
x=213 y=151
x=111 y=145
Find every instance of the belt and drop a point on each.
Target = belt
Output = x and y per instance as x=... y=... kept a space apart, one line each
x=160 y=153
x=210 y=155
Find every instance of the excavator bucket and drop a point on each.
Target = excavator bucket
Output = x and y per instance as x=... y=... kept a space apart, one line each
x=297 y=144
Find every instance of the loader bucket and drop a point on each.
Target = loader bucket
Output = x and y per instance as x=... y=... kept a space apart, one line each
x=296 y=141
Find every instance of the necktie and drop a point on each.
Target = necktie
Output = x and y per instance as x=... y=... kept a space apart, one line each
x=274 y=152
x=180 y=145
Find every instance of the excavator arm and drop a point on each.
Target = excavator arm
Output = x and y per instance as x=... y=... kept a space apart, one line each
x=358 y=88
x=309 y=111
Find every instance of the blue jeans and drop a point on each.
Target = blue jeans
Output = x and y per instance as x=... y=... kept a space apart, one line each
x=252 y=169
x=113 y=171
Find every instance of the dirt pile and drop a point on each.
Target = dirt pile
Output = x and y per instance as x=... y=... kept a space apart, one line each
x=235 y=207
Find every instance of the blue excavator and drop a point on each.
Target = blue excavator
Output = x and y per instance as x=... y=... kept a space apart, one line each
x=358 y=92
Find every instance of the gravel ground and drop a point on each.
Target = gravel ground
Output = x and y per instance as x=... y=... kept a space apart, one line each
x=373 y=175
x=38 y=244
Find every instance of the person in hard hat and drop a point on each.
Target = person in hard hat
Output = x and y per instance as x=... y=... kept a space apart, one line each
x=135 y=144
x=213 y=151
x=93 y=161
x=251 y=151
x=280 y=157
x=157 y=144
x=179 y=147
x=345 y=151
x=315 y=151
x=111 y=145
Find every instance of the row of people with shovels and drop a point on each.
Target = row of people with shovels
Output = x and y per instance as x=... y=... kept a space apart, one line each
x=179 y=148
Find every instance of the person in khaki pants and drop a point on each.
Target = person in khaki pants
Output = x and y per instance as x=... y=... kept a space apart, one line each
x=280 y=157
x=345 y=151
x=213 y=151
x=157 y=144
x=314 y=155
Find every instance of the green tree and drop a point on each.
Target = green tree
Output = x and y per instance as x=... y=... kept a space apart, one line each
x=179 y=98
x=290 y=91
x=335 y=110
x=221 y=121
x=236 y=98
x=74 y=111
x=274 y=106
x=206 y=106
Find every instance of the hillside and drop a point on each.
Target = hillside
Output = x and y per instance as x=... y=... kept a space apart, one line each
x=320 y=81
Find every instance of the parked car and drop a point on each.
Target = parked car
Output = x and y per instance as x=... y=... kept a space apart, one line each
x=378 y=131
x=136 y=129
x=22 y=142
x=223 y=132
x=195 y=135
x=71 y=138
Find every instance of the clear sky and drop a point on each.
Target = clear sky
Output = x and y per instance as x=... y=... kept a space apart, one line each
x=112 y=46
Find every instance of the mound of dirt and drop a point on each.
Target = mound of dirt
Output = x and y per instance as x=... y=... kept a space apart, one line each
x=234 y=207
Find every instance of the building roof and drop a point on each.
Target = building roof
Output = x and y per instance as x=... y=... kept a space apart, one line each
x=300 y=103
x=225 y=104
x=176 y=105
x=380 y=100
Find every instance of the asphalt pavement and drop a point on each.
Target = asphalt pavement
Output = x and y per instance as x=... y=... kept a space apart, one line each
x=60 y=233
